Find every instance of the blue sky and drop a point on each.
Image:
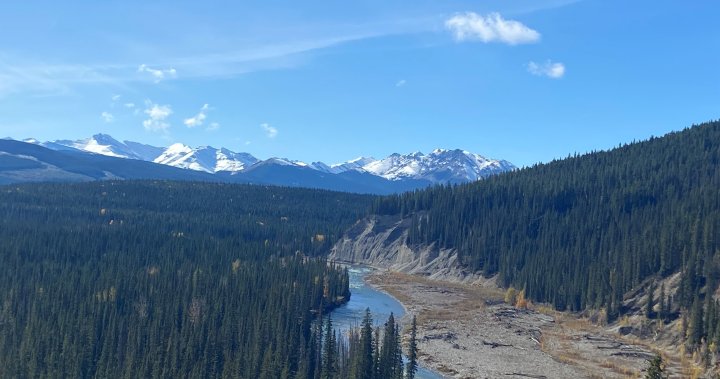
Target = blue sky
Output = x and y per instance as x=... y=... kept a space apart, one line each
x=526 y=81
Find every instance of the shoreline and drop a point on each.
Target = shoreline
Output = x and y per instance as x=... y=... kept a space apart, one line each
x=468 y=331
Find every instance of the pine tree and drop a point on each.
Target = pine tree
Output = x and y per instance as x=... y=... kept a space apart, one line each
x=329 y=358
x=365 y=365
x=650 y=300
x=663 y=315
x=412 y=364
x=387 y=353
x=696 y=330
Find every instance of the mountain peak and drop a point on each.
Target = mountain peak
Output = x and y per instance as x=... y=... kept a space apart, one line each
x=439 y=166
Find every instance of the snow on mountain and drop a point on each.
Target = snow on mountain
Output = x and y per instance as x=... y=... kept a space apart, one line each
x=205 y=158
x=355 y=164
x=105 y=145
x=320 y=166
x=439 y=166
x=144 y=152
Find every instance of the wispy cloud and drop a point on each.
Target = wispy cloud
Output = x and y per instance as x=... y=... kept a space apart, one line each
x=400 y=83
x=129 y=105
x=107 y=117
x=213 y=126
x=553 y=70
x=270 y=131
x=198 y=119
x=470 y=26
x=115 y=98
x=52 y=79
x=158 y=74
x=157 y=117
x=22 y=75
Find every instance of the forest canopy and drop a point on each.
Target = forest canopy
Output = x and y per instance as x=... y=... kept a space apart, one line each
x=166 y=279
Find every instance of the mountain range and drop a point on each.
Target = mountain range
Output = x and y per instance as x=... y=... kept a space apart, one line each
x=22 y=161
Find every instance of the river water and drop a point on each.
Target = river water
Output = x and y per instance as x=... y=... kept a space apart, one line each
x=381 y=304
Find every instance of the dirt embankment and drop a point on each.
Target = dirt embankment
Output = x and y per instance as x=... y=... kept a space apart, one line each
x=467 y=331
x=381 y=241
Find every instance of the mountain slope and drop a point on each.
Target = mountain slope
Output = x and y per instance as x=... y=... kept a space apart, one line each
x=204 y=158
x=281 y=173
x=581 y=233
x=440 y=166
x=396 y=173
x=104 y=144
x=24 y=162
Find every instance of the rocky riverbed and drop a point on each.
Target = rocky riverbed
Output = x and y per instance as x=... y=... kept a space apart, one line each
x=467 y=331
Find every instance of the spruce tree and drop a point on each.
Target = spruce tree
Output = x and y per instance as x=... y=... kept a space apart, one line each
x=411 y=367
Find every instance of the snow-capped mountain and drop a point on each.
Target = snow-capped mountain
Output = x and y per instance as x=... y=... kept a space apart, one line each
x=355 y=164
x=439 y=166
x=205 y=158
x=104 y=144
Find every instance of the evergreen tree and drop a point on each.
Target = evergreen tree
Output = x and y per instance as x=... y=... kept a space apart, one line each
x=412 y=364
x=329 y=358
x=365 y=367
x=650 y=300
x=663 y=315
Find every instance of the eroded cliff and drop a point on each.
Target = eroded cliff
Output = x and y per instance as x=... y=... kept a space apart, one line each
x=381 y=241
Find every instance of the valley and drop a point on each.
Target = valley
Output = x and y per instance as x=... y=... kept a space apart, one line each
x=512 y=189
x=468 y=331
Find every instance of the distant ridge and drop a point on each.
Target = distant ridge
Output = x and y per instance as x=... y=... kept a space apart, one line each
x=395 y=173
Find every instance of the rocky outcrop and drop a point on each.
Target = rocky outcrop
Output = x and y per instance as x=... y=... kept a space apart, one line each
x=381 y=242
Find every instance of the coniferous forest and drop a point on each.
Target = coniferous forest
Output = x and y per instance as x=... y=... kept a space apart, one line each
x=581 y=232
x=180 y=279
x=164 y=279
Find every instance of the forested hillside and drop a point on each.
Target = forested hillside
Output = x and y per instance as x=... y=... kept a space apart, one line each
x=582 y=231
x=167 y=279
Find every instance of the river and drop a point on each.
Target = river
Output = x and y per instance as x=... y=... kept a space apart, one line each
x=380 y=303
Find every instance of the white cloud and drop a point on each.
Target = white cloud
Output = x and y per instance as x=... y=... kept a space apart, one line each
x=157 y=117
x=470 y=26
x=158 y=74
x=270 y=131
x=107 y=117
x=554 y=70
x=129 y=105
x=22 y=75
x=115 y=98
x=401 y=83
x=213 y=126
x=198 y=119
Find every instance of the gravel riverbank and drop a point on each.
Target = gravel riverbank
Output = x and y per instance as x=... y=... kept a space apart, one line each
x=468 y=332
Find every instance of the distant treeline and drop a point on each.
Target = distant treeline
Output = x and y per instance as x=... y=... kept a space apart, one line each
x=166 y=279
x=582 y=231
